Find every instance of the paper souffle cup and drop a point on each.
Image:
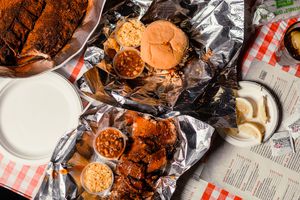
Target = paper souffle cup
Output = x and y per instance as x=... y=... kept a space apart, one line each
x=128 y=77
x=102 y=156
x=104 y=192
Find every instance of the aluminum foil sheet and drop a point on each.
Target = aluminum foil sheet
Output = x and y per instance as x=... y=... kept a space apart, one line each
x=60 y=181
x=74 y=46
x=202 y=87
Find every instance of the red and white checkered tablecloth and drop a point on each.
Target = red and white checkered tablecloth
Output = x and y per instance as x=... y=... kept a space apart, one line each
x=25 y=179
x=265 y=45
x=212 y=192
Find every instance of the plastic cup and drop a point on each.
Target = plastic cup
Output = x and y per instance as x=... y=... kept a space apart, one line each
x=285 y=55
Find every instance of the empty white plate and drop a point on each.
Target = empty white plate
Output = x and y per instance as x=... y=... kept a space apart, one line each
x=253 y=92
x=34 y=113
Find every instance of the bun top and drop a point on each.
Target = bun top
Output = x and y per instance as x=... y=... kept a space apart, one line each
x=163 y=45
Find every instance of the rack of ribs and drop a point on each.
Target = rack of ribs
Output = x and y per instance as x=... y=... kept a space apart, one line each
x=36 y=29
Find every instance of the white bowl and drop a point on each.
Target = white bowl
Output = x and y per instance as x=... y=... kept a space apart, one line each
x=254 y=92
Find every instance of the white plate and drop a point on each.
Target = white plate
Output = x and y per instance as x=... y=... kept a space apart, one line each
x=253 y=92
x=34 y=113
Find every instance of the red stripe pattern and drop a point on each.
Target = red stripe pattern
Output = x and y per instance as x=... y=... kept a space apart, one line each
x=223 y=195
x=212 y=192
x=21 y=176
x=35 y=180
x=208 y=191
x=75 y=72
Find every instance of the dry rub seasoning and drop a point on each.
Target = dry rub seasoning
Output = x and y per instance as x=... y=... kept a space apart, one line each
x=97 y=177
x=128 y=64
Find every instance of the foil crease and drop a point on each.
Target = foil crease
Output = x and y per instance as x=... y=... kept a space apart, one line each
x=202 y=87
x=194 y=140
x=74 y=46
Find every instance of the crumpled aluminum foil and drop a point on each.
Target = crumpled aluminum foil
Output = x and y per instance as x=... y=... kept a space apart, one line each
x=202 y=87
x=59 y=183
x=74 y=46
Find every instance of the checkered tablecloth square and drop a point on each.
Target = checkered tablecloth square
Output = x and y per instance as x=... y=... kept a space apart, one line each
x=212 y=192
x=264 y=47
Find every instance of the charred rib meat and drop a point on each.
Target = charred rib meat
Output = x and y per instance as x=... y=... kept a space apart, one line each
x=164 y=130
x=157 y=161
x=129 y=168
x=144 y=162
x=31 y=28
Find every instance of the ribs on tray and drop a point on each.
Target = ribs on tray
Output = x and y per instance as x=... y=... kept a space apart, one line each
x=32 y=30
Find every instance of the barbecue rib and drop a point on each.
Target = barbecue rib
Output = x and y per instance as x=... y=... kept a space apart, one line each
x=146 y=158
x=34 y=29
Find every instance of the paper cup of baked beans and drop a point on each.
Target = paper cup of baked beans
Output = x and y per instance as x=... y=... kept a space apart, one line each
x=128 y=63
x=109 y=143
x=97 y=178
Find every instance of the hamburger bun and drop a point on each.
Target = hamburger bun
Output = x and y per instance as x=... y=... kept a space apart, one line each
x=163 y=45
